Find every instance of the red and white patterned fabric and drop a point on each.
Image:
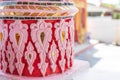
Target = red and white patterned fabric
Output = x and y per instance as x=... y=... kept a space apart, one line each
x=36 y=47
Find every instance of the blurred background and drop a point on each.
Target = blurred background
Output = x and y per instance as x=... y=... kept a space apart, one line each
x=97 y=38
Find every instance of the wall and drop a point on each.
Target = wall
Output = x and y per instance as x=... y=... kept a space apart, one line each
x=104 y=28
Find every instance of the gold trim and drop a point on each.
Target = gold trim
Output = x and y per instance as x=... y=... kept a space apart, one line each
x=17 y=35
x=1 y=36
x=42 y=36
x=63 y=36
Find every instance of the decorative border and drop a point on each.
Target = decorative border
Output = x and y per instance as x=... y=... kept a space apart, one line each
x=43 y=3
x=33 y=18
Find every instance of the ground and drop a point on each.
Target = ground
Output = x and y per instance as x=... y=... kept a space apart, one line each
x=104 y=62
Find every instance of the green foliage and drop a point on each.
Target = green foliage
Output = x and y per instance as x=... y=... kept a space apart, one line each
x=116 y=15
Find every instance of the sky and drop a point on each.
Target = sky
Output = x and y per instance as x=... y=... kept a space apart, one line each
x=105 y=1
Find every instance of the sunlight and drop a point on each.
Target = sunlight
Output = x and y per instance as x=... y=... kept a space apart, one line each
x=104 y=1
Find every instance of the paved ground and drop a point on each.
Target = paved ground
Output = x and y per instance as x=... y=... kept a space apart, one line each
x=5 y=78
x=105 y=63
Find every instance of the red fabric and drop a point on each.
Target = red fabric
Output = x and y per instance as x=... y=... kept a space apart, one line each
x=36 y=72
